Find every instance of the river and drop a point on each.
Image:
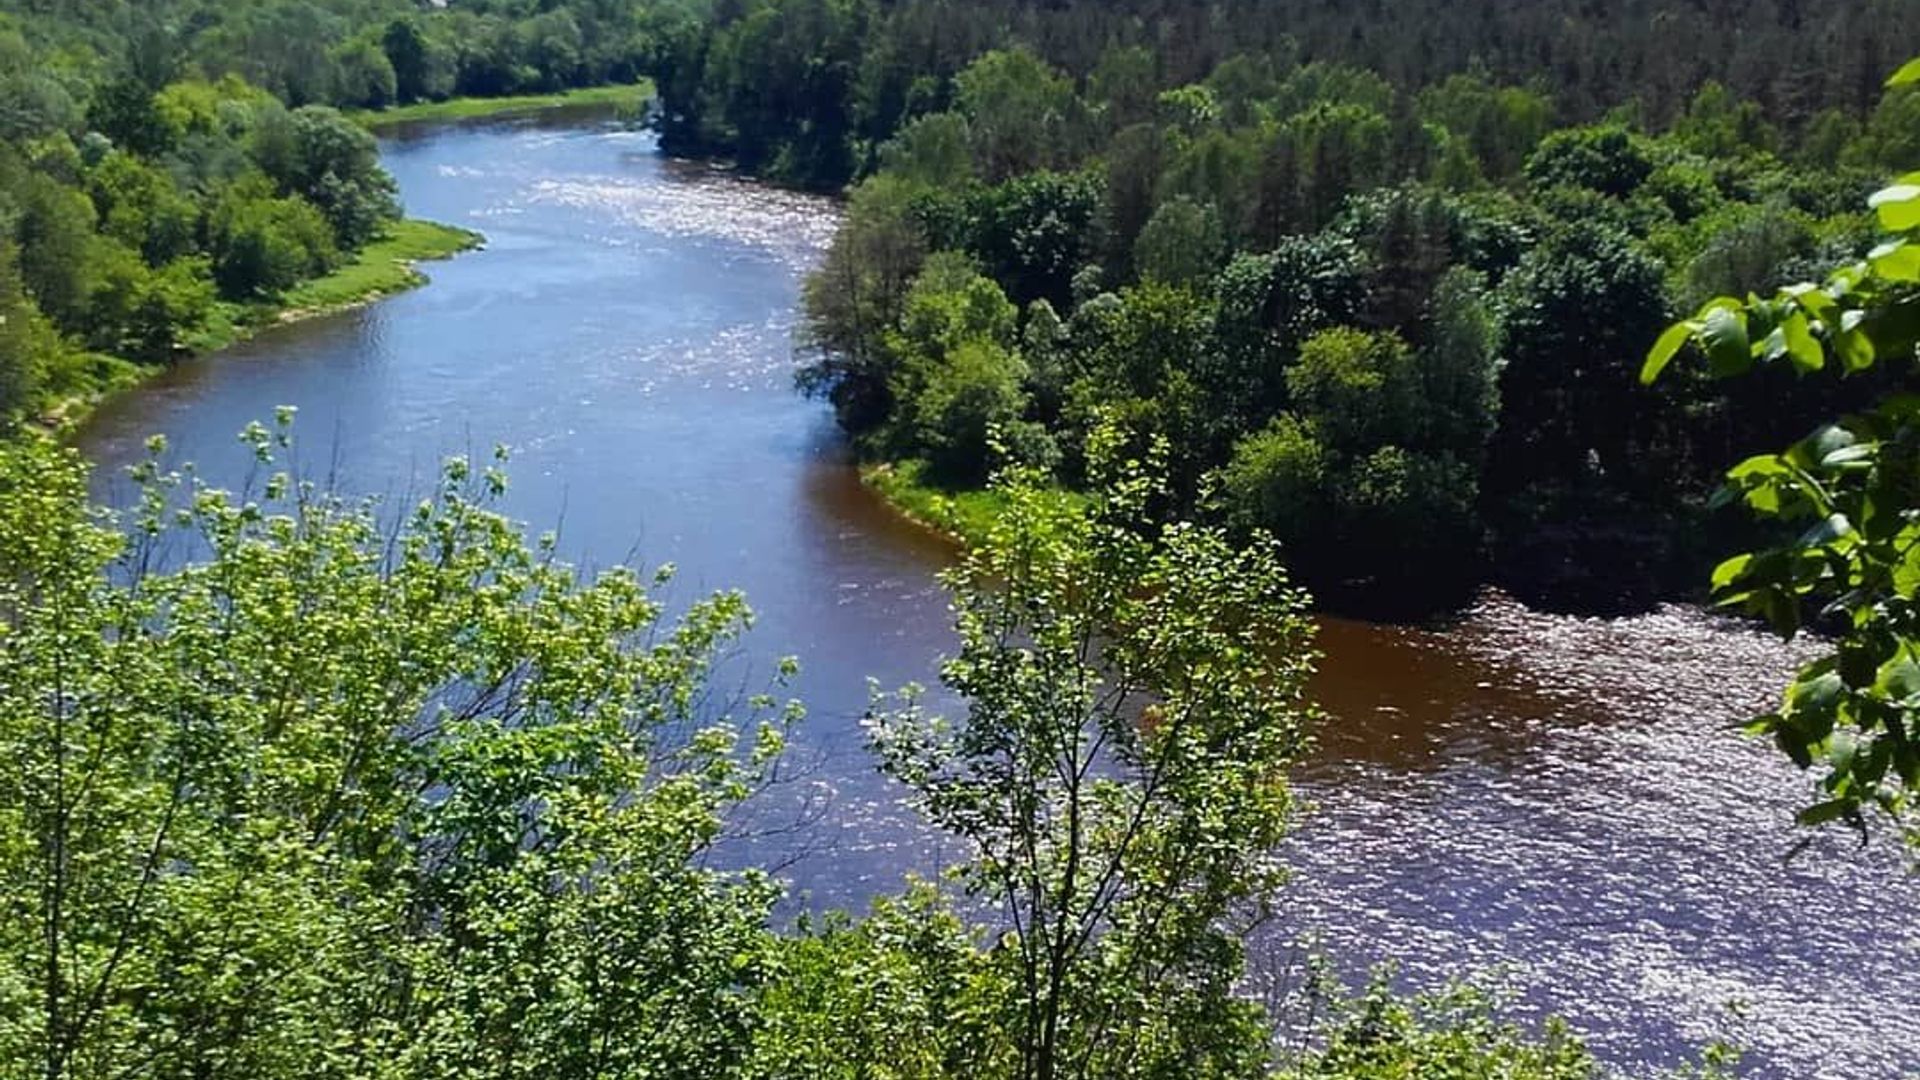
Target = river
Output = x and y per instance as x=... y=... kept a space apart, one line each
x=1553 y=803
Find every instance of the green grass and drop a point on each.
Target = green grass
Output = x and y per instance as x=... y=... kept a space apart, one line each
x=625 y=96
x=961 y=515
x=382 y=268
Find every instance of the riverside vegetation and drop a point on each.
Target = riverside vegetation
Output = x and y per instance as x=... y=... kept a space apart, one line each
x=373 y=790
x=173 y=175
x=1383 y=300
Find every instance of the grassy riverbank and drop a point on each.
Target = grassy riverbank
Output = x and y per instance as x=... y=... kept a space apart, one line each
x=471 y=108
x=386 y=266
x=382 y=268
x=962 y=516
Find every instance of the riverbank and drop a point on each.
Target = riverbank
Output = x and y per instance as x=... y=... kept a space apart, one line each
x=384 y=267
x=961 y=517
x=624 y=96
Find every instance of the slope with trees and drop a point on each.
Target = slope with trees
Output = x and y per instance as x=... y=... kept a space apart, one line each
x=1386 y=304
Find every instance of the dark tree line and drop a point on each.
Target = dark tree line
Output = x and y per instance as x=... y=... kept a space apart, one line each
x=808 y=89
x=356 y=53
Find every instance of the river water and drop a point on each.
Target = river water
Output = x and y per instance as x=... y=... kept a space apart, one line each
x=1549 y=803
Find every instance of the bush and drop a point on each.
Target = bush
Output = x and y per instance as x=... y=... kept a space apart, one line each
x=1457 y=1034
x=264 y=245
x=963 y=399
x=1277 y=481
x=1608 y=159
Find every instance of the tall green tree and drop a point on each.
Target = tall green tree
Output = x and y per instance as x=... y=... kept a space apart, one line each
x=27 y=342
x=1118 y=807
x=1023 y=115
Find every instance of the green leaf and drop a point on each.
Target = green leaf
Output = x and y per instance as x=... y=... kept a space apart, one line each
x=1822 y=813
x=1841 y=746
x=1731 y=570
x=1896 y=261
x=1802 y=348
x=1724 y=332
x=1906 y=573
x=1898 y=206
x=1814 y=300
x=1775 y=345
x=1664 y=350
x=1899 y=678
x=1855 y=348
x=1909 y=73
x=1859 y=665
x=1792 y=745
x=1760 y=466
x=1826 y=440
x=1818 y=696
x=1851 y=458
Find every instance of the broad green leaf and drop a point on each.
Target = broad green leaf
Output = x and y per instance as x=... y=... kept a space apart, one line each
x=1731 y=570
x=1909 y=73
x=1817 y=700
x=1664 y=350
x=1841 y=746
x=1906 y=573
x=1855 y=348
x=1774 y=345
x=1896 y=261
x=1898 y=206
x=1900 y=678
x=1802 y=348
x=1724 y=332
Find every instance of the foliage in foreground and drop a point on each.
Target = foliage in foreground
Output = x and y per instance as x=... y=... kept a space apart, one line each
x=1453 y=1035
x=1135 y=696
x=303 y=790
x=339 y=798
x=1849 y=498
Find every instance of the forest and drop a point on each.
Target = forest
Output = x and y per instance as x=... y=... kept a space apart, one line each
x=1221 y=311
x=169 y=172
x=1382 y=292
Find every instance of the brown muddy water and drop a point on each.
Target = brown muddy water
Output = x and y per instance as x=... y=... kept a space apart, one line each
x=1554 y=804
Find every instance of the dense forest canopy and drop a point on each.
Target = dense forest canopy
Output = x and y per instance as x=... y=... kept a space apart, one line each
x=1380 y=273
x=823 y=71
x=358 y=53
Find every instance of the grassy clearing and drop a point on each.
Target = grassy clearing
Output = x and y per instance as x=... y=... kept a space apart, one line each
x=382 y=268
x=624 y=96
x=963 y=516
